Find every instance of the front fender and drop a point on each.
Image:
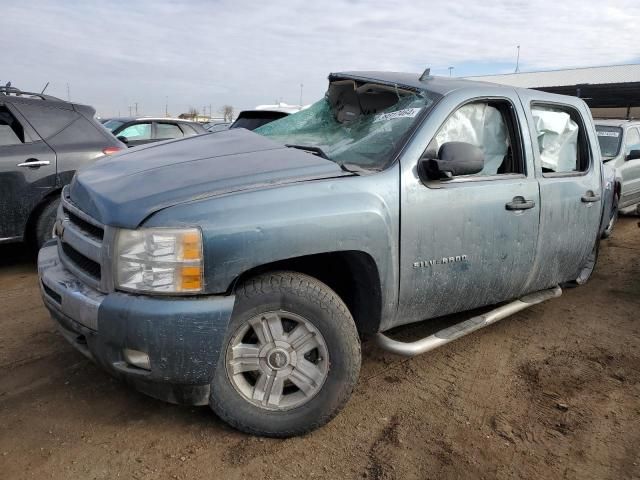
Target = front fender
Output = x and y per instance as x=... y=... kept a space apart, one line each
x=245 y=230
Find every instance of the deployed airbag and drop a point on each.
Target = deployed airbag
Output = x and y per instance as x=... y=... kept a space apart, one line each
x=557 y=139
x=481 y=125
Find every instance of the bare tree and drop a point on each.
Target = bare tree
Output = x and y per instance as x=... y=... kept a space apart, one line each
x=227 y=113
x=193 y=113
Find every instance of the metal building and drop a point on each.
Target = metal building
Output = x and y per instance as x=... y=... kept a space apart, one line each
x=611 y=91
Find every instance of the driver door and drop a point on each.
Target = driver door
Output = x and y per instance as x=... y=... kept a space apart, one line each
x=136 y=134
x=470 y=240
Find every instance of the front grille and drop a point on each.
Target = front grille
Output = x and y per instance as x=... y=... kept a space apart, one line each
x=83 y=225
x=88 y=266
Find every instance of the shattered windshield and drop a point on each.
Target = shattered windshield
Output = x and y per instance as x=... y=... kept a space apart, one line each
x=361 y=126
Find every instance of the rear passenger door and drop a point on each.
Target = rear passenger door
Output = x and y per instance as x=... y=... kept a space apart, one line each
x=470 y=240
x=167 y=131
x=630 y=169
x=569 y=172
x=27 y=171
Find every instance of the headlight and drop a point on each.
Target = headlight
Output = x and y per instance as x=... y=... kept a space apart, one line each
x=163 y=260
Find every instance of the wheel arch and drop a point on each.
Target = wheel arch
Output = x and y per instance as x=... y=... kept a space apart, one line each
x=30 y=225
x=352 y=274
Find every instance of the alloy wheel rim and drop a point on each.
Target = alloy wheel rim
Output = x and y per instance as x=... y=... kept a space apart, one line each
x=277 y=360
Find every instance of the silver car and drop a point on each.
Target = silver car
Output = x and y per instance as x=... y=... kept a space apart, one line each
x=620 y=147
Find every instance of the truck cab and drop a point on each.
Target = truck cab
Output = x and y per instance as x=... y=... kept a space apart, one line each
x=241 y=269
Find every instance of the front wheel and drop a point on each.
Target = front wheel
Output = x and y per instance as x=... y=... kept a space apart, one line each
x=291 y=357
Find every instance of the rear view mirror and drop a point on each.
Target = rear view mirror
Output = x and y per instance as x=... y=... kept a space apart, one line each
x=633 y=155
x=454 y=159
x=123 y=139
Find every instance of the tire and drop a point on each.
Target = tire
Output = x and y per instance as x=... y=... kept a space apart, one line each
x=613 y=219
x=45 y=222
x=311 y=315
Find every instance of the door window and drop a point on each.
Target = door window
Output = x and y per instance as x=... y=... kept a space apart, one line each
x=632 y=142
x=167 y=131
x=561 y=141
x=139 y=131
x=488 y=125
x=11 y=132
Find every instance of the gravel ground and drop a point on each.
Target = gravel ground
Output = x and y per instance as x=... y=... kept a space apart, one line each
x=552 y=392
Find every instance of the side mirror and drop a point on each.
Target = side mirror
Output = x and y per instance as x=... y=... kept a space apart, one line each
x=454 y=159
x=123 y=139
x=633 y=155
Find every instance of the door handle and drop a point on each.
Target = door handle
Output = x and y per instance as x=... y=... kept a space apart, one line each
x=34 y=163
x=590 y=197
x=520 y=203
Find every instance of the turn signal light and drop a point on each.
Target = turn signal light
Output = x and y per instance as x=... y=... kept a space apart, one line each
x=110 y=150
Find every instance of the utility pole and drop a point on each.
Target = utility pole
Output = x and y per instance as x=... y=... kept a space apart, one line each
x=68 y=94
x=301 y=87
x=518 y=60
x=136 y=108
x=210 y=112
x=450 y=70
x=130 y=114
x=166 y=106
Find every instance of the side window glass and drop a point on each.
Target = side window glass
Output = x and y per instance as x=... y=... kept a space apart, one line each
x=560 y=141
x=46 y=120
x=632 y=142
x=167 y=131
x=488 y=125
x=140 y=131
x=11 y=132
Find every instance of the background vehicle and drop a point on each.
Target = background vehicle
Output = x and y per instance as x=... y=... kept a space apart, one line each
x=620 y=147
x=263 y=114
x=43 y=140
x=216 y=126
x=138 y=131
x=188 y=272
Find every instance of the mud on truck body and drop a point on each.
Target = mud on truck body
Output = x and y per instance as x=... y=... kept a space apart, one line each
x=240 y=269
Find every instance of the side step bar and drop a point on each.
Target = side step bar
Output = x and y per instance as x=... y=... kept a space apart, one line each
x=446 y=335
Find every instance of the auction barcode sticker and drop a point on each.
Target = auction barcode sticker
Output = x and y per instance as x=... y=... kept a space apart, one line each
x=609 y=134
x=406 y=113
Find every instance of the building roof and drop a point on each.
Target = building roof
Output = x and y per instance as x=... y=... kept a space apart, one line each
x=567 y=77
x=601 y=87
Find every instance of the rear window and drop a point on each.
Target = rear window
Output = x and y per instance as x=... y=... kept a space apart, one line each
x=47 y=120
x=610 y=139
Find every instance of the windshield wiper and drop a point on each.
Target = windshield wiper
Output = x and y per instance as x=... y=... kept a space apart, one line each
x=347 y=167
x=353 y=168
x=308 y=148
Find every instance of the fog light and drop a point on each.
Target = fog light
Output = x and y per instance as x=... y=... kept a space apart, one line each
x=137 y=358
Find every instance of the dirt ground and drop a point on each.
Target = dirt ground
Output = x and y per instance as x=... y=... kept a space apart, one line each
x=552 y=392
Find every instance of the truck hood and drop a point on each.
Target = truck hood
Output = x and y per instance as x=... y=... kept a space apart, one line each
x=125 y=189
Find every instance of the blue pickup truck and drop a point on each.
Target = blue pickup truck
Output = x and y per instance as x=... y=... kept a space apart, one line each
x=241 y=269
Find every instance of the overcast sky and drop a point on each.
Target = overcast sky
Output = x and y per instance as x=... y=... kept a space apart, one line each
x=113 y=53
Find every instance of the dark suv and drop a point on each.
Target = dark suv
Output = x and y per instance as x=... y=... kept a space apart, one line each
x=43 y=141
x=138 y=131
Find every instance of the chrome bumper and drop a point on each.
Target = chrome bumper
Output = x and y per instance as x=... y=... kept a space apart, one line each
x=63 y=292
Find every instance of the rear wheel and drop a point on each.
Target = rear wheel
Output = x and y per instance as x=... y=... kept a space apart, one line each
x=45 y=222
x=291 y=358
